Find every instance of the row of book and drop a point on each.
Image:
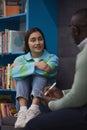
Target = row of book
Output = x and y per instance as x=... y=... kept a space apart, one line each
x=11 y=41
x=6 y=82
x=12 y=7
x=7 y=109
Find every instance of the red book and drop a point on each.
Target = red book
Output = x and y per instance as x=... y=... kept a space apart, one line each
x=12 y=10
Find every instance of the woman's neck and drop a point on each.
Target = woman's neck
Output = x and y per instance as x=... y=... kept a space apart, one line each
x=36 y=54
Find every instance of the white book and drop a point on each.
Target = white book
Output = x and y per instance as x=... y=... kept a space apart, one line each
x=15 y=41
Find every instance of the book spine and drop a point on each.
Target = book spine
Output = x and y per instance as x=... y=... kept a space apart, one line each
x=3 y=77
x=8 y=76
x=1 y=42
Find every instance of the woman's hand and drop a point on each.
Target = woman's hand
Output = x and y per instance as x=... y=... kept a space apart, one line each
x=43 y=66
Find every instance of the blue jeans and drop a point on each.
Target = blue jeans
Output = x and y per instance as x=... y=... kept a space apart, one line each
x=31 y=85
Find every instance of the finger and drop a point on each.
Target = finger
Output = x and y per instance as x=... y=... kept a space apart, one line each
x=46 y=88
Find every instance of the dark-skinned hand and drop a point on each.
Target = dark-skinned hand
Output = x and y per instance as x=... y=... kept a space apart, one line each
x=54 y=93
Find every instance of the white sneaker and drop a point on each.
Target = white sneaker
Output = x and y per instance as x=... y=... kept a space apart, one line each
x=20 y=122
x=30 y=114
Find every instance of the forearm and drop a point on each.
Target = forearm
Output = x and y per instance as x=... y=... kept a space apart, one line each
x=70 y=100
x=76 y=97
x=46 y=74
x=22 y=71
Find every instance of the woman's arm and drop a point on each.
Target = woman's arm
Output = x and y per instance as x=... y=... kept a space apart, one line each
x=43 y=66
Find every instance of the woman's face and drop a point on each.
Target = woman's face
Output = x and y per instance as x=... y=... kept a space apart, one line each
x=36 y=42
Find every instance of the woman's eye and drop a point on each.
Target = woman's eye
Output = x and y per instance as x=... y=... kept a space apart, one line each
x=36 y=39
x=32 y=40
x=40 y=38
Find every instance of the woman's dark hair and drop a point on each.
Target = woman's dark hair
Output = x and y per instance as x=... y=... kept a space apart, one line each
x=27 y=35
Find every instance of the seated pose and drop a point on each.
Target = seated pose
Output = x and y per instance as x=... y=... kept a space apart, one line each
x=32 y=71
x=68 y=107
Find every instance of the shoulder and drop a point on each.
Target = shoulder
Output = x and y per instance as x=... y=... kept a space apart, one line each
x=21 y=57
x=82 y=58
x=50 y=54
x=83 y=53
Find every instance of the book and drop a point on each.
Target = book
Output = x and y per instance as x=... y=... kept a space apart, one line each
x=8 y=8
x=12 y=10
x=2 y=77
x=20 y=3
x=11 y=41
x=2 y=8
x=8 y=77
x=15 y=41
x=4 y=41
x=6 y=82
x=12 y=1
x=7 y=109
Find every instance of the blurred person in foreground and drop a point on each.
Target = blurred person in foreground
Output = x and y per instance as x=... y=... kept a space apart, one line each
x=68 y=107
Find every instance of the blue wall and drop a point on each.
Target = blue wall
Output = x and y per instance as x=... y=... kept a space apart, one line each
x=44 y=14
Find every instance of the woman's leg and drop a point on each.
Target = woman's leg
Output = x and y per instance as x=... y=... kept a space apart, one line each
x=70 y=119
x=38 y=85
x=23 y=88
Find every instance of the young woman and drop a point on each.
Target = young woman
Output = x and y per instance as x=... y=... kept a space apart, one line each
x=32 y=71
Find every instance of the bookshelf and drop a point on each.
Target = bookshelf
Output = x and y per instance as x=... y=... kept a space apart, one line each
x=19 y=22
